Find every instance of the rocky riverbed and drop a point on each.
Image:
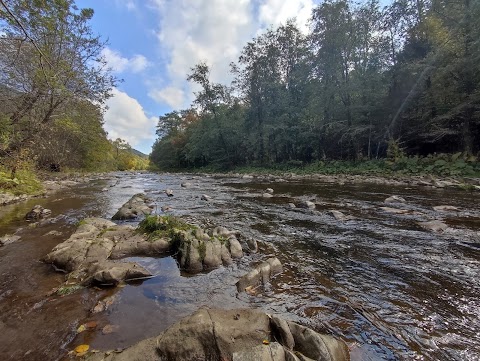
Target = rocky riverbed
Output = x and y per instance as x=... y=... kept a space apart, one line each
x=388 y=267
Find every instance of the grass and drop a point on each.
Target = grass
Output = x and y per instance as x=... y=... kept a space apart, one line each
x=163 y=227
x=67 y=290
x=24 y=182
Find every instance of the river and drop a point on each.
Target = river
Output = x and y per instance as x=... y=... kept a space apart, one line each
x=390 y=289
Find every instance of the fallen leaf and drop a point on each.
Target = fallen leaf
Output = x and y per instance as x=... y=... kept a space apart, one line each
x=266 y=342
x=91 y=324
x=110 y=329
x=81 y=349
x=81 y=328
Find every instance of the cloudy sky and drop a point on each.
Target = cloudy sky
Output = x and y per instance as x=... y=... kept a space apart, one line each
x=154 y=43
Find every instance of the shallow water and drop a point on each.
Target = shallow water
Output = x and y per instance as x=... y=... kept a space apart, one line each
x=390 y=289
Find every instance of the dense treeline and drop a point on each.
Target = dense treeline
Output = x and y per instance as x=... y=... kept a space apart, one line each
x=364 y=83
x=53 y=87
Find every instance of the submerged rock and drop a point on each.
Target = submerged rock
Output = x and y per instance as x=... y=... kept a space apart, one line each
x=446 y=209
x=339 y=216
x=307 y=205
x=206 y=198
x=434 y=226
x=8 y=238
x=260 y=275
x=238 y=334
x=395 y=210
x=137 y=206
x=38 y=212
x=395 y=199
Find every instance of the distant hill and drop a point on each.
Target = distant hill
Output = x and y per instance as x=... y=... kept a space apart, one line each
x=140 y=154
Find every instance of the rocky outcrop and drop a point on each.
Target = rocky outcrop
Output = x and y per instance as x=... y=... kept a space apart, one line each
x=86 y=255
x=38 y=212
x=89 y=255
x=234 y=335
x=260 y=275
x=137 y=206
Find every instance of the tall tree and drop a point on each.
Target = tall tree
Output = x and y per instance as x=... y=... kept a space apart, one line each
x=49 y=59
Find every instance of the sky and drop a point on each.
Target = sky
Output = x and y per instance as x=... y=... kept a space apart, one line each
x=153 y=44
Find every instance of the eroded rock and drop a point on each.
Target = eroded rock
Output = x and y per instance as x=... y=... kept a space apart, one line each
x=136 y=206
x=260 y=275
x=38 y=212
x=238 y=334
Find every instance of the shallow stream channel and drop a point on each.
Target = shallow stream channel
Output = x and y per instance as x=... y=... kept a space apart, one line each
x=389 y=288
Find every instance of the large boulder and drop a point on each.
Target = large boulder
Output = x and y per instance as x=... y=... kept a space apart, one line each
x=85 y=255
x=136 y=206
x=233 y=335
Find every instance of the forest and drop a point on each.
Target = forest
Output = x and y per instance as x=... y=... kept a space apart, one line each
x=366 y=83
x=53 y=88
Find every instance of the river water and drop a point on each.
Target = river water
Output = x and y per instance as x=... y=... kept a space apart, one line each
x=388 y=288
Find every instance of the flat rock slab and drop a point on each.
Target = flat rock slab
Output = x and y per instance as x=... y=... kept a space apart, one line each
x=238 y=334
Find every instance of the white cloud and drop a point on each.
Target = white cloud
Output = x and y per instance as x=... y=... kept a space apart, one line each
x=125 y=118
x=277 y=12
x=120 y=64
x=214 y=31
x=171 y=96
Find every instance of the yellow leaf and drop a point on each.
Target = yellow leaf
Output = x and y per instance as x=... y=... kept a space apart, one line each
x=82 y=348
x=81 y=329
x=266 y=342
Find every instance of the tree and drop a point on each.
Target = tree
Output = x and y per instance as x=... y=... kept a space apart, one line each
x=49 y=59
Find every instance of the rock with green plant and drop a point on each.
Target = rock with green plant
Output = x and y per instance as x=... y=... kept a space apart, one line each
x=89 y=256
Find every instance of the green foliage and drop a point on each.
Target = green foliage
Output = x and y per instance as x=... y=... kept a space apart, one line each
x=400 y=83
x=24 y=182
x=68 y=290
x=163 y=227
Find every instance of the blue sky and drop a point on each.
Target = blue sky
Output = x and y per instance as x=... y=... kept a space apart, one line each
x=154 y=43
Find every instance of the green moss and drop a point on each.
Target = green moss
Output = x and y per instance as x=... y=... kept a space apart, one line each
x=224 y=241
x=202 y=250
x=81 y=223
x=67 y=290
x=170 y=227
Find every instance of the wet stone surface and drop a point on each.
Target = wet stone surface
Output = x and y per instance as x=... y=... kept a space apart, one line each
x=390 y=288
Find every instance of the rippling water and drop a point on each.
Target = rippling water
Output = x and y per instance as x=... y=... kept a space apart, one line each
x=390 y=289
